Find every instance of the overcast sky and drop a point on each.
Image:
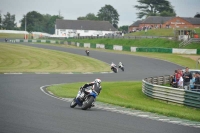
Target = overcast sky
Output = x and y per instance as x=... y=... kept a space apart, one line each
x=72 y=9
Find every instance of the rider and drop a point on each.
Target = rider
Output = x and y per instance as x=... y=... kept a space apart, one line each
x=112 y=65
x=86 y=50
x=97 y=89
x=120 y=64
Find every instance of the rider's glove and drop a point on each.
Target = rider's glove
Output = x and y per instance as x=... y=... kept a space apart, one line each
x=81 y=88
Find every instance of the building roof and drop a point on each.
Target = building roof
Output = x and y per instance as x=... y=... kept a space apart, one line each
x=192 y=20
x=137 y=23
x=84 y=25
x=156 y=20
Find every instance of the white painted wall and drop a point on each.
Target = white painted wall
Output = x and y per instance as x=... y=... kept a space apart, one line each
x=117 y=47
x=100 y=46
x=87 y=45
x=23 y=32
x=133 y=49
x=184 y=51
x=72 y=33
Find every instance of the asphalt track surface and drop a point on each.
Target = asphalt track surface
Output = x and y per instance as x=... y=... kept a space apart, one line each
x=24 y=108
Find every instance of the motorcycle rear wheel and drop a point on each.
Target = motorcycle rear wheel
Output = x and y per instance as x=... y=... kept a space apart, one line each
x=88 y=103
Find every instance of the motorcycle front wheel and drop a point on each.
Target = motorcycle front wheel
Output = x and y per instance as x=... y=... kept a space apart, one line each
x=73 y=103
x=87 y=103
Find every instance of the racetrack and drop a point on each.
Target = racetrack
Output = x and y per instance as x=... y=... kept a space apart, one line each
x=24 y=108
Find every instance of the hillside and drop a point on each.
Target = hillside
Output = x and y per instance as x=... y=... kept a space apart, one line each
x=153 y=43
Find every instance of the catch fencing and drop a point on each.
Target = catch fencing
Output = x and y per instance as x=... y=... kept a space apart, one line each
x=122 y=37
x=152 y=87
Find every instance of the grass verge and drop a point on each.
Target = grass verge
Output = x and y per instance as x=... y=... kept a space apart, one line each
x=12 y=35
x=149 y=43
x=20 y=58
x=128 y=94
x=180 y=59
x=158 y=32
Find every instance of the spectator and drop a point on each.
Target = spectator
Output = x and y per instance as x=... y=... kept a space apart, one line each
x=197 y=81
x=192 y=81
x=173 y=82
x=187 y=76
x=178 y=75
x=180 y=83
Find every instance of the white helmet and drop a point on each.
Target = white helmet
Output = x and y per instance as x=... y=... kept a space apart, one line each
x=97 y=81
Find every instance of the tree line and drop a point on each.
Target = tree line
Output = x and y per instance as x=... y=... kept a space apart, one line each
x=34 y=21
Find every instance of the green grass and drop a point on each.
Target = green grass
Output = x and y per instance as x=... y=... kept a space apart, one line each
x=174 y=58
x=20 y=58
x=153 y=32
x=151 y=43
x=12 y=35
x=128 y=94
x=157 y=32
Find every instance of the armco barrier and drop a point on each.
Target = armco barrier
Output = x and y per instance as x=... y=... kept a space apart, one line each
x=160 y=50
x=124 y=48
x=81 y=45
x=108 y=46
x=198 y=51
x=92 y=45
x=180 y=96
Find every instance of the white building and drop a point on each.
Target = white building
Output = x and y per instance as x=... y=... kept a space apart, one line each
x=71 y=28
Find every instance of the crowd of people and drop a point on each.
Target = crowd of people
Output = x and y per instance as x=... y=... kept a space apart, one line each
x=184 y=79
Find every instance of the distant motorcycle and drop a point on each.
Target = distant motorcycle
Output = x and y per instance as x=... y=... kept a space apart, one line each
x=86 y=98
x=114 y=69
x=87 y=52
x=121 y=67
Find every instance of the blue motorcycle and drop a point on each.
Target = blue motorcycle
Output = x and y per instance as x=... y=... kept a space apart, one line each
x=85 y=100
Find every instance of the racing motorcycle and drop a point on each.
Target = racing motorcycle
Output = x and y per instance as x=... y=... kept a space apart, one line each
x=86 y=98
x=121 y=67
x=114 y=69
x=87 y=52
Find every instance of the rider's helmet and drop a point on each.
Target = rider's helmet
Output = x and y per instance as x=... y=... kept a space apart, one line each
x=97 y=81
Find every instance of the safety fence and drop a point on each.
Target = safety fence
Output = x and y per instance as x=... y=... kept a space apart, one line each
x=124 y=37
x=116 y=47
x=186 y=42
x=152 y=88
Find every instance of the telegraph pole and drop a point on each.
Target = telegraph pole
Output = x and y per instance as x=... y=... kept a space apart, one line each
x=25 y=21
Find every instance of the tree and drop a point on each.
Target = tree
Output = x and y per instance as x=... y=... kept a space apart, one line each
x=89 y=16
x=123 y=28
x=50 y=23
x=167 y=14
x=34 y=22
x=154 y=8
x=108 y=13
x=39 y=22
x=197 y=15
x=0 y=21
x=8 y=22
